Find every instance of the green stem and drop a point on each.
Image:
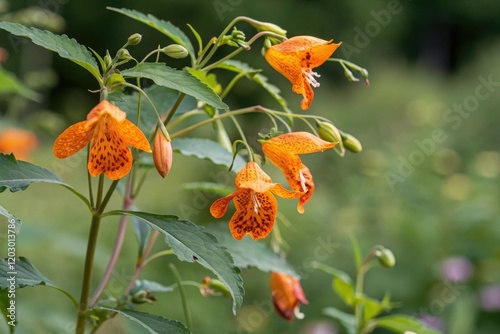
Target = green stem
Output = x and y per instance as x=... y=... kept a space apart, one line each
x=241 y=112
x=157 y=255
x=177 y=277
x=89 y=257
x=87 y=274
x=174 y=108
x=358 y=311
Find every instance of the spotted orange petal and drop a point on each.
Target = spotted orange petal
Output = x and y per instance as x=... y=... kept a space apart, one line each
x=255 y=214
x=251 y=172
x=109 y=153
x=72 y=140
x=219 y=207
x=134 y=136
x=296 y=142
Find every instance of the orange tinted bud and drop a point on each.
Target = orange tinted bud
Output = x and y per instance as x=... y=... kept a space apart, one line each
x=162 y=154
x=287 y=295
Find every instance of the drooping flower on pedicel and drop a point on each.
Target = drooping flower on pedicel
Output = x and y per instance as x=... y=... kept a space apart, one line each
x=283 y=151
x=109 y=134
x=287 y=295
x=256 y=207
x=296 y=57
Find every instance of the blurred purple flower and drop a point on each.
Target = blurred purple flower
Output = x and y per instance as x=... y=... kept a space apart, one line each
x=320 y=327
x=456 y=269
x=490 y=297
x=432 y=321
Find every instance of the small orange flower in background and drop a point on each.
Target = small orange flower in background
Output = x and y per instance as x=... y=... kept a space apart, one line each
x=109 y=134
x=256 y=207
x=283 y=151
x=296 y=57
x=287 y=295
x=18 y=141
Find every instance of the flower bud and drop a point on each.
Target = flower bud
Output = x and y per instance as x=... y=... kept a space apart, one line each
x=3 y=55
x=107 y=60
x=267 y=26
x=328 y=131
x=123 y=54
x=143 y=296
x=134 y=39
x=175 y=51
x=162 y=153
x=212 y=287
x=351 y=143
x=385 y=258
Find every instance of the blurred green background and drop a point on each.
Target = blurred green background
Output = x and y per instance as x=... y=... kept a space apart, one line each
x=426 y=184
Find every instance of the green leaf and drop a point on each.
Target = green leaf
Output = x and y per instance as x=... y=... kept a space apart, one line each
x=347 y=320
x=25 y=275
x=371 y=308
x=402 y=323
x=249 y=253
x=66 y=47
x=10 y=84
x=18 y=175
x=192 y=244
x=153 y=323
x=176 y=79
x=11 y=218
x=344 y=290
x=209 y=150
x=143 y=284
x=165 y=27
x=162 y=97
x=252 y=74
x=141 y=231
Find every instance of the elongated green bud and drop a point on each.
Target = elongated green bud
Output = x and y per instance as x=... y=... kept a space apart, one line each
x=175 y=51
x=328 y=131
x=351 y=143
x=267 y=26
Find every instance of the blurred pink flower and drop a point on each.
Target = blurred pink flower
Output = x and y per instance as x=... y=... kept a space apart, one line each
x=456 y=269
x=490 y=298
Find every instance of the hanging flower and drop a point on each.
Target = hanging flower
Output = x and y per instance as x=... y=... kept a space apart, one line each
x=109 y=134
x=256 y=207
x=18 y=141
x=283 y=151
x=287 y=295
x=296 y=57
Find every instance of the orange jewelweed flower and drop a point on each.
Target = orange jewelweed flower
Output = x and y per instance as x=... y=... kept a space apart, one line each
x=256 y=207
x=18 y=141
x=296 y=57
x=287 y=295
x=283 y=151
x=109 y=134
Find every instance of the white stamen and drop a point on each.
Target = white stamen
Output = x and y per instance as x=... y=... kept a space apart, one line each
x=256 y=204
x=310 y=77
x=302 y=181
x=297 y=313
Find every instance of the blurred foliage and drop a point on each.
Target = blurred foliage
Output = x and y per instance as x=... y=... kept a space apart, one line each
x=425 y=61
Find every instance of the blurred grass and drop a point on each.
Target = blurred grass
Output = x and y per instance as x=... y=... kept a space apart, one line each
x=447 y=207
